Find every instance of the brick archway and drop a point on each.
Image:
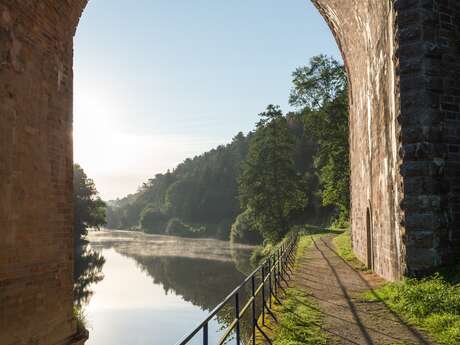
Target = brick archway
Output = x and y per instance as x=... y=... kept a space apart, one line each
x=403 y=65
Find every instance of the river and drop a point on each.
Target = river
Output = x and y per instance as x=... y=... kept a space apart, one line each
x=158 y=288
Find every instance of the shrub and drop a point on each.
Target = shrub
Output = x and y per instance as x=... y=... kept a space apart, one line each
x=80 y=317
x=153 y=221
x=260 y=253
x=244 y=229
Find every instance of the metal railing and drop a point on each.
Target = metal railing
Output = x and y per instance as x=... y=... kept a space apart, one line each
x=265 y=281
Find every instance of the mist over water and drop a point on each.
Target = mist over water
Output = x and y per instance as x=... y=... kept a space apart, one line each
x=158 y=288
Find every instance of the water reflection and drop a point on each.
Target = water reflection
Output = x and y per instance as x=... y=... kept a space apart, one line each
x=202 y=282
x=156 y=288
x=87 y=271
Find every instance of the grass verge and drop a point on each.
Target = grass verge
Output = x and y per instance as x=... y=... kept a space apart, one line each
x=80 y=318
x=433 y=304
x=299 y=321
x=343 y=246
x=262 y=252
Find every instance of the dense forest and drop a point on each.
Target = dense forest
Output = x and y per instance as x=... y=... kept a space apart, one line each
x=291 y=169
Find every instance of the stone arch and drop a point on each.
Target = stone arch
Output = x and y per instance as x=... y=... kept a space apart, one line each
x=366 y=32
x=403 y=64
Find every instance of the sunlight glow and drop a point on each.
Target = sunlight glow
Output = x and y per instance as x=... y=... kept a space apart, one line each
x=163 y=81
x=118 y=161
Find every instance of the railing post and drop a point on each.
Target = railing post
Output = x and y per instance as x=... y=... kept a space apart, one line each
x=237 y=314
x=254 y=320
x=275 y=272
x=263 y=294
x=279 y=269
x=205 y=334
x=283 y=268
x=270 y=282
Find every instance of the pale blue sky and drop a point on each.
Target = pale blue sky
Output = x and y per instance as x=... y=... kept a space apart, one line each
x=157 y=81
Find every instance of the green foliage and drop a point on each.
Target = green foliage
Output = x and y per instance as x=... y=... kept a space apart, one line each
x=89 y=209
x=180 y=198
x=344 y=248
x=200 y=191
x=329 y=126
x=320 y=93
x=305 y=242
x=153 y=221
x=318 y=83
x=269 y=184
x=299 y=321
x=287 y=161
x=431 y=303
x=203 y=191
x=244 y=230
x=80 y=317
x=260 y=253
x=89 y=212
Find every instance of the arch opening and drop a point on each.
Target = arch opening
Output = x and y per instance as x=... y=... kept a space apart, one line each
x=80 y=24
x=402 y=159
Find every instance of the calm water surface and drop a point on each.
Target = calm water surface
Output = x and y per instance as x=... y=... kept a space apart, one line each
x=157 y=288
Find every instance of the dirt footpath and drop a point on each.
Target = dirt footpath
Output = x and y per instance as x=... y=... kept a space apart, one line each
x=336 y=288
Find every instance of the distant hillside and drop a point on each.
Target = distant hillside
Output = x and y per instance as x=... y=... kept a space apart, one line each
x=200 y=196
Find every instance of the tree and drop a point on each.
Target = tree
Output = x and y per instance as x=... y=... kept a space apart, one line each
x=89 y=209
x=320 y=91
x=153 y=220
x=245 y=230
x=89 y=212
x=204 y=190
x=269 y=184
x=318 y=83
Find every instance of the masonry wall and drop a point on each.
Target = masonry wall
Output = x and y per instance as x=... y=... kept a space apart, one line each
x=365 y=32
x=430 y=118
x=36 y=249
x=403 y=61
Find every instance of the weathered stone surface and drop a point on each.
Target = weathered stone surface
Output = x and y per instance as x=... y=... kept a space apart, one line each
x=403 y=63
x=430 y=219
x=367 y=33
x=36 y=249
